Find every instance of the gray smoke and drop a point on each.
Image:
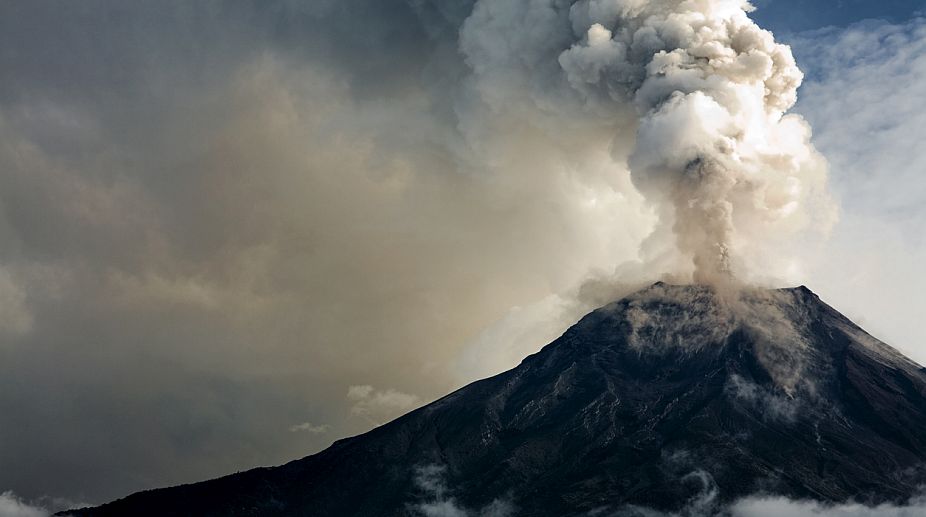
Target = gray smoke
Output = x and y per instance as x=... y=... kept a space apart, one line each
x=690 y=94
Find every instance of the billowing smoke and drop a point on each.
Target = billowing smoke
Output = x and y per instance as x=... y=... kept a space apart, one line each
x=695 y=95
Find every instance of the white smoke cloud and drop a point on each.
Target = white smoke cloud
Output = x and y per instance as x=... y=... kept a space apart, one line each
x=782 y=507
x=309 y=427
x=772 y=406
x=380 y=406
x=689 y=98
x=691 y=95
x=440 y=502
x=13 y=506
x=712 y=314
x=431 y=480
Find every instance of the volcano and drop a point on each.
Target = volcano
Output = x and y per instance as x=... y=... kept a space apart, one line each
x=672 y=395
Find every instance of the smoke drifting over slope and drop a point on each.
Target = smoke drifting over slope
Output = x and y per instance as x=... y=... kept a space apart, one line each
x=703 y=88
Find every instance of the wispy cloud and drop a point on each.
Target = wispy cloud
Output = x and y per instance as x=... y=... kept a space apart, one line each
x=13 y=506
x=439 y=501
x=706 y=504
x=771 y=506
x=378 y=406
x=308 y=427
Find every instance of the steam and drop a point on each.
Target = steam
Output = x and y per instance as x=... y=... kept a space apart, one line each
x=707 y=503
x=13 y=506
x=705 y=92
x=380 y=406
x=438 y=502
x=700 y=316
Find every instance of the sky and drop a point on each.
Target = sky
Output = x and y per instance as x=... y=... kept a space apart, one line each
x=233 y=232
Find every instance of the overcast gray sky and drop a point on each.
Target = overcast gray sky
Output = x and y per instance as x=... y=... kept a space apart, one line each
x=233 y=232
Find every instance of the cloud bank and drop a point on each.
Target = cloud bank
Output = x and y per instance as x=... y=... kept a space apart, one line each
x=707 y=504
x=780 y=507
x=12 y=506
x=767 y=506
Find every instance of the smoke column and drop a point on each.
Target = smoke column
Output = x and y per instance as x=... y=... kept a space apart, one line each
x=704 y=92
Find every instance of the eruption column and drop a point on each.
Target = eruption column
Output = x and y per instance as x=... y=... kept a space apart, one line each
x=715 y=152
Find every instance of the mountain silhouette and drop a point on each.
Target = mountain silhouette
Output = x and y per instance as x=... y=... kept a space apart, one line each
x=670 y=396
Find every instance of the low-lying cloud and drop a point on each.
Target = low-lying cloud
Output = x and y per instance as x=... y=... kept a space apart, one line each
x=12 y=506
x=782 y=507
x=772 y=506
x=309 y=427
x=706 y=503
x=438 y=500
x=380 y=406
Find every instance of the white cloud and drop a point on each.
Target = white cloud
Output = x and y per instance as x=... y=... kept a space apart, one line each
x=13 y=506
x=772 y=506
x=706 y=504
x=308 y=427
x=782 y=507
x=439 y=501
x=379 y=406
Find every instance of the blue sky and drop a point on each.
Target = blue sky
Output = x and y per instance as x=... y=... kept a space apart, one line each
x=789 y=16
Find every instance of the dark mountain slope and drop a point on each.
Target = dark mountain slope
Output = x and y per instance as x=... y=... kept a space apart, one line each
x=668 y=394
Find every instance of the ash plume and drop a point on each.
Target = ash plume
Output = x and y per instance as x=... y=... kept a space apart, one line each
x=702 y=93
